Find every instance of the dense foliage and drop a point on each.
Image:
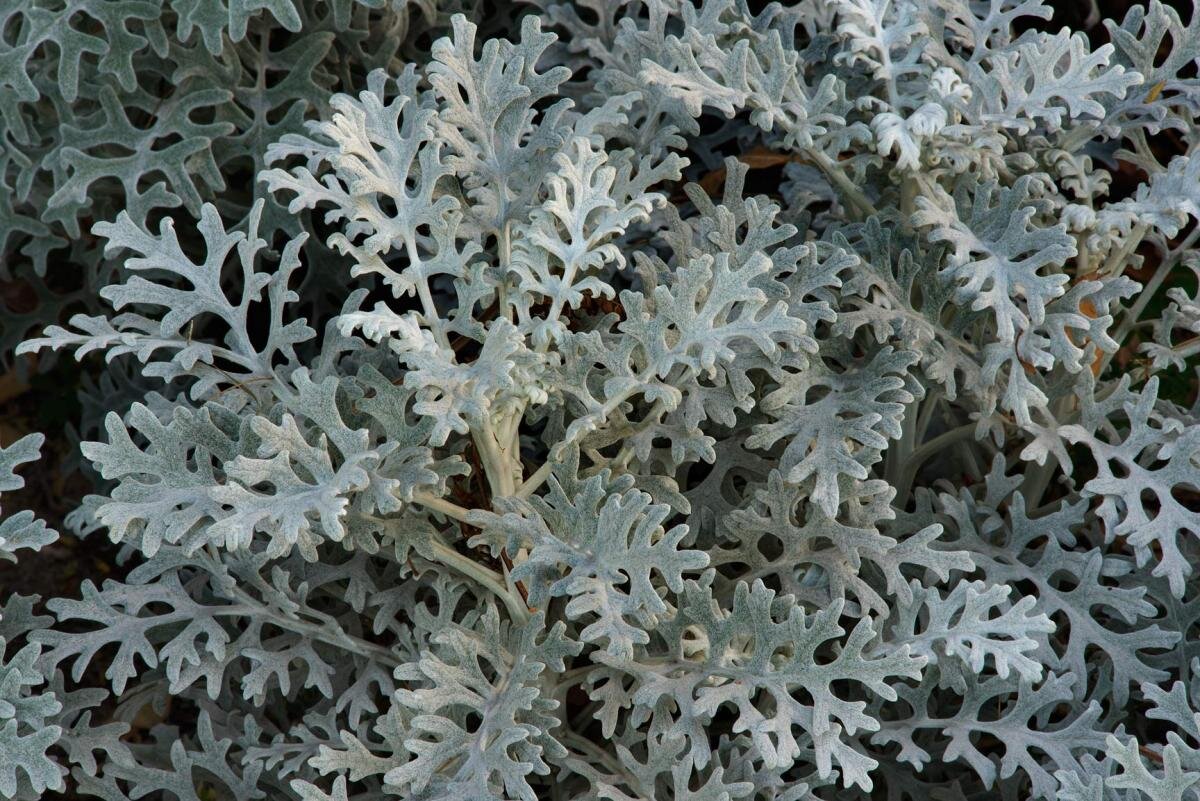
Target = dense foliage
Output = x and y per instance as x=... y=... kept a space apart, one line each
x=480 y=423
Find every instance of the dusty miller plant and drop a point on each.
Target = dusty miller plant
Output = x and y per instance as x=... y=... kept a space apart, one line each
x=607 y=484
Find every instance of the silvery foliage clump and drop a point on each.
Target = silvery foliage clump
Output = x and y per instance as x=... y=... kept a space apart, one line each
x=602 y=485
x=149 y=106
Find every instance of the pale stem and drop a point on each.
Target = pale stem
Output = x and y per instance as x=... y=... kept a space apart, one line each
x=1039 y=479
x=1115 y=263
x=586 y=747
x=428 y=308
x=1147 y=294
x=496 y=462
x=1187 y=348
x=573 y=676
x=912 y=463
x=481 y=574
x=899 y=455
x=909 y=189
x=505 y=239
x=842 y=183
x=539 y=477
x=1083 y=258
x=331 y=635
x=531 y=484
x=556 y=306
x=486 y=577
x=932 y=399
x=621 y=460
x=442 y=506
